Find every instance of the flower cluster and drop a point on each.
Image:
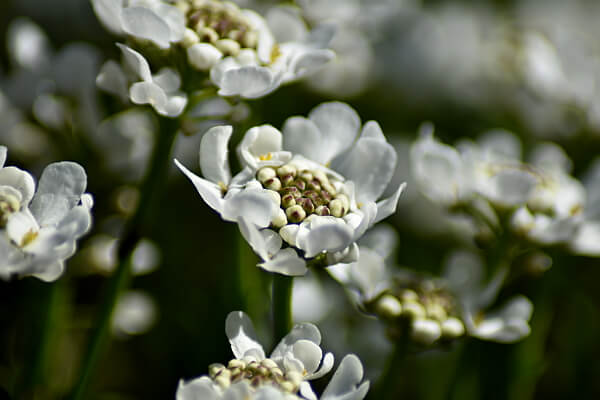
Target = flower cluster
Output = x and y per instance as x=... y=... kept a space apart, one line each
x=308 y=193
x=38 y=229
x=285 y=374
x=434 y=309
x=234 y=47
x=538 y=200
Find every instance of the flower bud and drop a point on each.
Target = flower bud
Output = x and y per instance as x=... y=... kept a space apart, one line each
x=413 y=310
x=306 y=204
x=322 y=211
x=190 y=38
x=426 y=331
x=388 y=306
x=344 y=199
x=206 y=35
x=250 y=39
x=265 y=174
x=452 y=328
x=287 y=169
x=293 y=190
x=275 y=197
x=288 y=200
x=337 y=208
x=272 y=184
x=409 y=295
x=215 y=369
x=236 y=363
x=295 y=214
x=300 y=184
x=287 y=180
x=279 y=219
x=228 y=47
x=436 y=311
x=306 y=175
x=268 y=363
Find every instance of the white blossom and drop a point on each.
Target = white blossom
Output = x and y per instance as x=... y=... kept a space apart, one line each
x=283 y=375
x=316 y=210
x=38 y=231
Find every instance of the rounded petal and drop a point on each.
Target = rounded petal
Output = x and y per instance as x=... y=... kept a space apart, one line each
x=286 y=24
x=259 y=143
x=241 y=334
x=148 y=93
x=3 y=152
x=109 y=13
x=326 y=366
x=346 y=379
x=302 y=136
x=507 y=325
x=174 y=18
x=255 y=206
x=214 y=162
x=60 y=189
x=249 y=82
x=387 y=207
x=339 y=125
x=305 y=331
x=19 y=180
x=286 y=262
x=308 y=353
x=587 y=239
x=168 y=79
x=197 y=389
x=328 y=234
x=144 y=23
x=112 y=79
x=370 y=164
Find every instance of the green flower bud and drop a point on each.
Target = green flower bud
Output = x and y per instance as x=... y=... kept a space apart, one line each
x=322 y=211
x=295 y=214
x=306 y=204
x=265 y=173
x=287 y=169
x=288 y=200
x=272 y=184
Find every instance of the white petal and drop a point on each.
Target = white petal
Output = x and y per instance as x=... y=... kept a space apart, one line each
x=387 y=207
x=260 y=142
x=214 y=162
x=382 y=239
x=60 y=189
x=587 y=239
x=286 y=24
x=197 y=389
x=301 y=136
x=148 y=93
x=174 y=18
x=286 y=262
x=308 y=353
x=370 y=164
x=329 y=235
x=109 y=13
x=249 y=82
x=168 y=79
x=3 y=152
x=372 y=130
x=307 y=392
x=136 y=62
x=19 y=180
x=509 y=324
x=510 y=186
x=326 y=366
x=240 y=331
x=175 y=105
x=254 y=238
x=112 y=79
x=305 y=331
x=308 y=61
x=346 y=378
x=50 y=272
x=210 y=192
x=255 y=206
x=144 y=23
x=203 y=56
x=20 y=224
x=266 y=41
x=339 y=125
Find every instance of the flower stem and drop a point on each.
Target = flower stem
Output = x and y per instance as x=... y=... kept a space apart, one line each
x=282 y=305
x=153 y=180
x=390 y=380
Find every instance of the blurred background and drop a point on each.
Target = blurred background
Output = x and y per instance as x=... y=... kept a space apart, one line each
x=530 y=67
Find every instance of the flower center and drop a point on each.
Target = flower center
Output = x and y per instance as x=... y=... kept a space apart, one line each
x=304 y=192
x=8 y=205
x=222 y=24
x=256 y=373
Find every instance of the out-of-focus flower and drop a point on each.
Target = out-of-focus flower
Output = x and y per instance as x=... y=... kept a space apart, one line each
x=318 y=183
x=434 y=308
x=134 y=314
x=284 y=375
x=234 y=46
x=38 y=231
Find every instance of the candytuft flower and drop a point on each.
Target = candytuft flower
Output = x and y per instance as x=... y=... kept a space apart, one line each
x=38 y=231
x=285 y=374
x=315 y=189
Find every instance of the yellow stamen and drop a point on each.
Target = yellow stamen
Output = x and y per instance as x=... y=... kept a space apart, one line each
x=28 y=238
x=265 y=157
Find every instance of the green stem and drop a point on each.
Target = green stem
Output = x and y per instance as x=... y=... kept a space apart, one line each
x=282 y=305
x=391 y=379
x=153 y=181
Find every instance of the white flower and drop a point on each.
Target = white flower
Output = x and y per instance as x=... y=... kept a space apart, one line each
x=134 y=314
x=284 y=375
x=318 y=211
x=438 y=308
x=161 y=90
x=38 y=232
x=234 y=46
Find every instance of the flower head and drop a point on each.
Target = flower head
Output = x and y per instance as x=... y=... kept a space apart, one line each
x=38 y=231
x=234 y=46
x=309 y=193
x=435 y=309
x=296 y=360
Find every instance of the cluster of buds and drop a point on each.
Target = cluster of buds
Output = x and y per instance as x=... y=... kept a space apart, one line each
x=9 y=204
x=429 y=310
x=301 y=193
x=221 y=24
x=256 y=373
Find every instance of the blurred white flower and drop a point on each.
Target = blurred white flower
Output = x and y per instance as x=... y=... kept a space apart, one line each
x=317 y=210
x=39 y=232
x=284 y=375
x=437 y=308
x=161 y=90
x=134 y=314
